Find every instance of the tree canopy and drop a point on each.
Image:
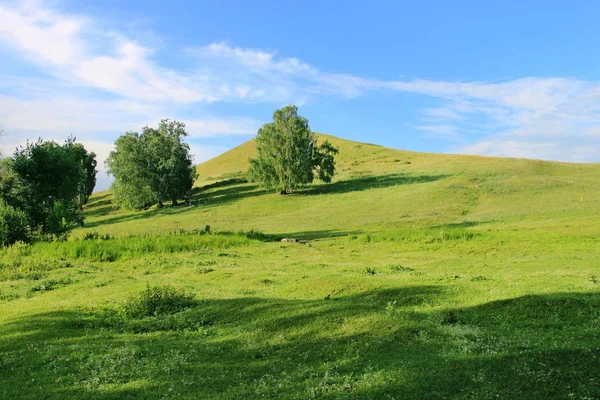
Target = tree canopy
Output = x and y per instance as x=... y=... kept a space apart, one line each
x=288 y=154
x=50 y=183
x=152 y=167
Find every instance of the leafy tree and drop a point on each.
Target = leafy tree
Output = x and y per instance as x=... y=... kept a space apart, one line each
x=11 y=188
x=152 y=167
x=174 y=173
x=13 y=224
x=51 y=183
x=132 y=169
x=88 y=166
x=88 y=184
x=288 y=153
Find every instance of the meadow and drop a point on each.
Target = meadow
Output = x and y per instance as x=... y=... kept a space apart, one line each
x=416 y=275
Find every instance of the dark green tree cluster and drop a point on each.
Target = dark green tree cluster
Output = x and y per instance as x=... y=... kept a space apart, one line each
x=288 y=154
x=152 y=167
x=48 y=183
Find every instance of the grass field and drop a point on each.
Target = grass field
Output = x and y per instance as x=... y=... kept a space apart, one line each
x=417 y=276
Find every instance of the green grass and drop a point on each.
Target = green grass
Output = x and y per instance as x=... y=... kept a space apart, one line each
x=417 y=276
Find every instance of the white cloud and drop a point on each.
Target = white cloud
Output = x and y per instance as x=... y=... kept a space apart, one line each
x=216 y=127
x=512 y=148
x=42 y=35
x=71 y=115
x=71 y=48
x=257 y=60
x=442 y=131
x=532 y=116
x=507 y=147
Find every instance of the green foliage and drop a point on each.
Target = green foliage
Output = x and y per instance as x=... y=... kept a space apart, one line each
x=11 y=188
x=13 y=224
x=158 y=300
x=151 y=167
x=288 y=154
x=51 y=182
x=111 y=249
x=400 y=268
x=88 y=165
x=62 y=218
x=95 y=236
x=426 y=235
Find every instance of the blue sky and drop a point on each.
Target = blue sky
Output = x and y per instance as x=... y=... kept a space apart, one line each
x=473 y=77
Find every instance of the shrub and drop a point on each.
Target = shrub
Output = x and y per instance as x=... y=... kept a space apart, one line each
x=95 y=236
x=400 y=268
x=13 y=225
x=158 y=300
x=62 y=218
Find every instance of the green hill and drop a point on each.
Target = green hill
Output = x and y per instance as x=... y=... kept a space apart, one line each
x=414 y=276
x=235 y=161
x=379 y=188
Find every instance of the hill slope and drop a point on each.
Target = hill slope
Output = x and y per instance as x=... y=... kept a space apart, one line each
x=352 y=154
x=375 y=187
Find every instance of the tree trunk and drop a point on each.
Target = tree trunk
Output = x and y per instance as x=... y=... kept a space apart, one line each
x=174 y=202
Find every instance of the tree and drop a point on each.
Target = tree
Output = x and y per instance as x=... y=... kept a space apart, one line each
x=152 y=167
x=288 y=154
x=87 y=162
x=11 y=188
x=174 y=173
x=52 y=183
x=13 y=224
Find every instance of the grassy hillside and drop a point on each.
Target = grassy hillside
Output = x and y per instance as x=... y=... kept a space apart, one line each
x=418 y=276
x=235 y=161
x=379 y=188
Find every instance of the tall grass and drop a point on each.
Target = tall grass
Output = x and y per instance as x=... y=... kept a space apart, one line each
x=427 y=235
x=124 y=248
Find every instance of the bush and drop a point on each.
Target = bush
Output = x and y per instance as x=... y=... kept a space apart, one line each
x=400 y=268
x=13 y=225
x=63 y=217
x=155 y=301
x=95 y=236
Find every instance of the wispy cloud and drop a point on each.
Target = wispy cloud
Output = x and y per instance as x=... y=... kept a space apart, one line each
x=72 y=48
x=233 y=126
x=441 y=131
x=519 y=116
x=103 y=83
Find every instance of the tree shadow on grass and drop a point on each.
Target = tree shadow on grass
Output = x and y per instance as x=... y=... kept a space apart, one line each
x=366 y=346
x=202 y=199
x=99 y=208
x=232 y=191
x=97 y=198
x=371 y=182
x=458 y=225
x=227 y=195
x=317 y=234
x=302 y=235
